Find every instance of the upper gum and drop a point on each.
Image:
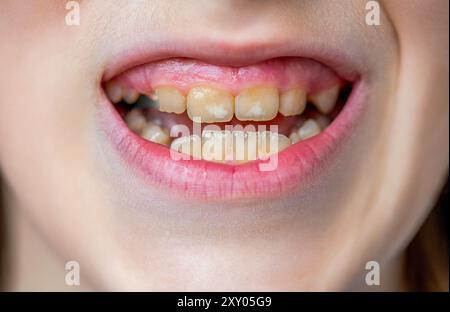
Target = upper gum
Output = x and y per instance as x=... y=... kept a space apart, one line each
x=284 y=74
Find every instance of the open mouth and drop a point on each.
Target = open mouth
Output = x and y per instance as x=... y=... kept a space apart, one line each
x=208 y=129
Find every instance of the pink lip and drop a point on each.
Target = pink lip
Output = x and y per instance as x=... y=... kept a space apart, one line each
x=297 y=165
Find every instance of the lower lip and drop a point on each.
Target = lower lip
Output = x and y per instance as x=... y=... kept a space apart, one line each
x=297 y=166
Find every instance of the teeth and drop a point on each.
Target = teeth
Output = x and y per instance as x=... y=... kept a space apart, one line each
x=210 y=104
x=258 y=103
x=135 y=120
x=236 y=146
x=156 y=134
x=170 y=100
x=292 y=102
x=308 y=129
x=294 y=137
x=270 y=143
x=190 y=145
x=217 y=146
x=130 y=96
x=322 y=121
x=113 y=91
x=325 y=101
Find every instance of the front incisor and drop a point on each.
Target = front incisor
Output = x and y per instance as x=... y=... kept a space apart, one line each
x=210 y=104
x=258 y=103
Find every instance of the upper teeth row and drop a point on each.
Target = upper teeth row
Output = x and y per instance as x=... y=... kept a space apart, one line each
x=211 y=104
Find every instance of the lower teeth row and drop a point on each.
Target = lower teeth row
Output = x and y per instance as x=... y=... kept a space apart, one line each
x=225 y=146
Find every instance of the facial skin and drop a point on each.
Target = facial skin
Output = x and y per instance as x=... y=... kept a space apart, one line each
x=62 y=176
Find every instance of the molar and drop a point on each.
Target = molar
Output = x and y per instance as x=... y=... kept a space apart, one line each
x=135 y=120
x=130 y=95
x=113 y=91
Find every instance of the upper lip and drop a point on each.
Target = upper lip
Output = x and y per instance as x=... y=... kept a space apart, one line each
x=232 y=54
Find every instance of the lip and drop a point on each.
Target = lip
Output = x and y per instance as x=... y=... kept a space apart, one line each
x=297 y=166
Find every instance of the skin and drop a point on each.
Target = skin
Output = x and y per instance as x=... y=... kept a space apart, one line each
x=69 y=199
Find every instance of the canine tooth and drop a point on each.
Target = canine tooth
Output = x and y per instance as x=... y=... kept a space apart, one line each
x=113 y=91
x=292 y=102
x=211 y=104
x=258 y=103
x=190 y=145
x=325 y=101
x=135 y=120
x=169 y=100
x=294 y=137
x=270 y=143
x=130 y=96
x=155 y=134
x=310 y=128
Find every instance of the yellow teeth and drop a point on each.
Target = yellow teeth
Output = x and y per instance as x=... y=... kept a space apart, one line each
x=292 y=102
x=135 y=120
x=156 y=134
x=325 y=101
x=130 y=96
x=114 y=91
x=294 y=137
x=170 y=100
x=258 y=103
x=189 y=145
x=231 y=146
x=210 y=104
x=309 y=129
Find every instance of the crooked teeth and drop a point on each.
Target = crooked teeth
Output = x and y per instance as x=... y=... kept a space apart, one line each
x=210 y=104
x=325 y=101
x=170 y=100
x=292 y=102
x=258 y=103
x=234 y=146
x=156 y=134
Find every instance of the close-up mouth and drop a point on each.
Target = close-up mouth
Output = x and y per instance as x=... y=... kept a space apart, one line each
x=224 y=146
x=223 y=131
